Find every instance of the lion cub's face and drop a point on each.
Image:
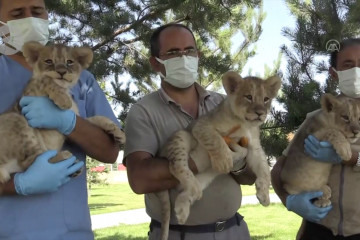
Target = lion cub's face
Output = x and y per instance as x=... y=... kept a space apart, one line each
x=343 y=113
x=59 y=62
x=250 y=98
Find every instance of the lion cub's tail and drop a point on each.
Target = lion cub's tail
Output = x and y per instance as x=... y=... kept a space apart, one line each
x=164 y=197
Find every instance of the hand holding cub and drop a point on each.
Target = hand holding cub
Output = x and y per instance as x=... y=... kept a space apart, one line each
x=238 y=152
x=321 y=151
x=238 y=155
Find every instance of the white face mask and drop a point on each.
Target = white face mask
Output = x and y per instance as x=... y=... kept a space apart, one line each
x=349 y=82
x=25 y=30
x=181 y=72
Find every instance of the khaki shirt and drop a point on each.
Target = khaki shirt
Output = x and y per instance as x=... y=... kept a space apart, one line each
x=150 y=122
x=344 y=217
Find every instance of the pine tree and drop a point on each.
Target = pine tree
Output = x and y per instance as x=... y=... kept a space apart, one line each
x=119 y=32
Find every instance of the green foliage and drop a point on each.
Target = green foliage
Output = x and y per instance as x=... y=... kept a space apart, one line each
x=119 y=32
x=272 y=139
x=93 y=177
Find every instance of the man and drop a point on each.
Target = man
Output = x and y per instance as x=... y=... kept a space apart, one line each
x=155 y=118
x=43 y=203
x=341 y=220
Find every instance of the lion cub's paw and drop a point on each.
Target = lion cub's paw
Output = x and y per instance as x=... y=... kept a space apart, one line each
x=60 y=156
x=182 y=207
x=343 y=149
x=109 y=127
x=240 y=153
x=195 y=190
x=4 y=175
x=78 y=172
x=65 y=155
x=118 y=134
x=263 y=198
x=222 y=162
x=262 y=191
x=322 y=202
x=63 y=101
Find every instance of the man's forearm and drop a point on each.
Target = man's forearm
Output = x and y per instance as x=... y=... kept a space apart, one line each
x=245 y=177
x=149 y=175
x=8 y=188
x=152 y=174
x=94 y=141
x=353 y=160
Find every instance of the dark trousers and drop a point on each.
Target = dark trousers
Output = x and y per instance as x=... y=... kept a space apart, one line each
x=234 y=228
x=314 y=231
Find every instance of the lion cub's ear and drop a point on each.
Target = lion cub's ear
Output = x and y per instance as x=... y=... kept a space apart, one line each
x=83 y=55
x=31 y=51
x=273 y=85
x=328 y=102
x=231 y=81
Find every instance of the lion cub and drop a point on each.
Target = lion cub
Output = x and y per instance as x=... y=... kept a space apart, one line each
x=239 y=115
x=338 y=123
x=55 y=70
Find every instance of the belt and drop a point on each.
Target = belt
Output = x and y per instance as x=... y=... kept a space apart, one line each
x=203 y=228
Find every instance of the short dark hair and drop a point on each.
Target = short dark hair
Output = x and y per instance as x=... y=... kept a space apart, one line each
x=154 y=39
x=343 y=44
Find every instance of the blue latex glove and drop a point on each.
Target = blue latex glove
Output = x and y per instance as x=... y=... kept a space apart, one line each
x=45 y=177
x=301 y=204
x=321 y=151
x=41 y=112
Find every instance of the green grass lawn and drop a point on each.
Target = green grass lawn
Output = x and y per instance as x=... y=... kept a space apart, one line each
x=250 y=190
x=120 y=197
x=114 y=198
x=270 y=223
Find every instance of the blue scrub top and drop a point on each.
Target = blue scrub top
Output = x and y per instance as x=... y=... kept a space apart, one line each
x=64 y=214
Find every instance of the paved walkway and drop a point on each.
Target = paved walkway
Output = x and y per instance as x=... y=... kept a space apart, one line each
x=138 y=216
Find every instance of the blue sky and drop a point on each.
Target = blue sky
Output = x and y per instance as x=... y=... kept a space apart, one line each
x=277 y=17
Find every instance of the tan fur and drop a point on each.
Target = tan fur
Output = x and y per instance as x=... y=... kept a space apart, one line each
x=247 y=105
x=338 y=123
x=55 y=70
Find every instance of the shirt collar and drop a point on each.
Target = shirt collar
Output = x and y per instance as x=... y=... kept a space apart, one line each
x=203 y=94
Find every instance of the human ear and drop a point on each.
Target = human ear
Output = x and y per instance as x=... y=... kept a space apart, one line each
x=155 y=65
x=333 y=74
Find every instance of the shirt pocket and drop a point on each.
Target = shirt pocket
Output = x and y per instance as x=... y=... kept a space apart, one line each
x=75 y=207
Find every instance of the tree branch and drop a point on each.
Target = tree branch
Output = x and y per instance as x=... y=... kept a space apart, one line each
x=228 y=9
x=126 y=29
x=273 y=127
